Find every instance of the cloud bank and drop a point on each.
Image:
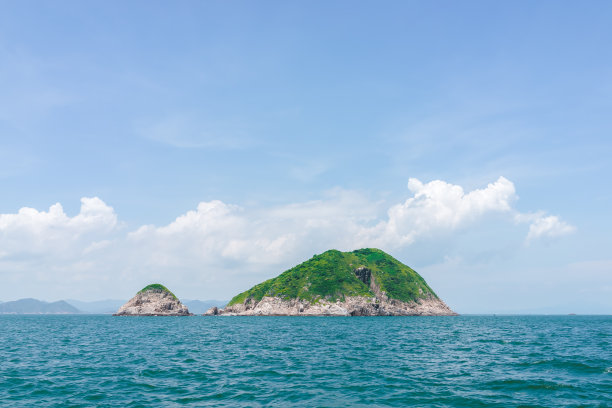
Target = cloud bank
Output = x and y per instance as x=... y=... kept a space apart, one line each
x=218 y=243
x=30 y=231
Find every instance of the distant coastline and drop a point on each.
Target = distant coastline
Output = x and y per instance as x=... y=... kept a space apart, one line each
x=31 y=306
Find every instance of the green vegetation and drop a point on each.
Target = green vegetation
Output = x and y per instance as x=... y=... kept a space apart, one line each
x=156 y=286
x=331 y=276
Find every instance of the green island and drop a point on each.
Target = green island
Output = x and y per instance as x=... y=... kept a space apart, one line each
x=334 y=275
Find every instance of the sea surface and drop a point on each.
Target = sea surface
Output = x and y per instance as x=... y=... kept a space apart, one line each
x=465 y=361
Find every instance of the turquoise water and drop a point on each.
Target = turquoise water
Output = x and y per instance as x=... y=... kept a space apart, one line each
x=471 y=361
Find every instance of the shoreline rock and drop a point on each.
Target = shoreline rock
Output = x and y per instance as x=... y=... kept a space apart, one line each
x=351 y=306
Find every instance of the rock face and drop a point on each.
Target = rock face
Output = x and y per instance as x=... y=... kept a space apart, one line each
x=351 y=306
x=153 y=300
x=366 y=282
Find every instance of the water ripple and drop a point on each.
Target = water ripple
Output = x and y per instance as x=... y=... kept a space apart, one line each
x=471 y=361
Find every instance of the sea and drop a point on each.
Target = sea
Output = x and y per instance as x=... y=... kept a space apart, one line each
x=463 y=361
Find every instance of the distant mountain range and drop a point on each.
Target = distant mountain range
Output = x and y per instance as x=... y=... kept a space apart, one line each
x=34 y=306
x=71 y=306
x=107 y=306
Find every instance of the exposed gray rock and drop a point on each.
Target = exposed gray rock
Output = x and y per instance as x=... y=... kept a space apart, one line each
x=351 y=306
x=213 y=311
x=153 y=302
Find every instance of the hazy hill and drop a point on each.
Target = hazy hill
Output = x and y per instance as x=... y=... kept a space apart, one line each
x=108 y=306
x=34 y=306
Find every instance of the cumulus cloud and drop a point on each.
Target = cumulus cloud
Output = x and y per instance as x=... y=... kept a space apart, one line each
x=217 y=232
x=218 y=243
x=438 y=206
x=548 y=226
x=33 y=231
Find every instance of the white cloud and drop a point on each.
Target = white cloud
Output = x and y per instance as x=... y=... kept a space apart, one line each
x=440 y=206
x=550 y=226
x=217 y=232
x=47 y=232
x=220 y=245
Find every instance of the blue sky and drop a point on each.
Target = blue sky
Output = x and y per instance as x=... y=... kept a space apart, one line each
x=256 y=134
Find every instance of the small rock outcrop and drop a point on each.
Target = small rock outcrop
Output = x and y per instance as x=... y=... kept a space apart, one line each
x=153 y=300
x=213 y=311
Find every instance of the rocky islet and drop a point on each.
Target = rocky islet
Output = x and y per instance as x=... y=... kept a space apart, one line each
x=154 y=300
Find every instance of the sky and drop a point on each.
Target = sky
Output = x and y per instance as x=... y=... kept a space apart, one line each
x=210 y=145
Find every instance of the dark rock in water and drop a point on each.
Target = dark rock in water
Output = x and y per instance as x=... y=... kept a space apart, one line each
x=153 y=300
x=201 y=306
x=213 y=311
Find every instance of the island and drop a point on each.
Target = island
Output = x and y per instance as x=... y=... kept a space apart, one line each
x=365 y=282
x=153 y=300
